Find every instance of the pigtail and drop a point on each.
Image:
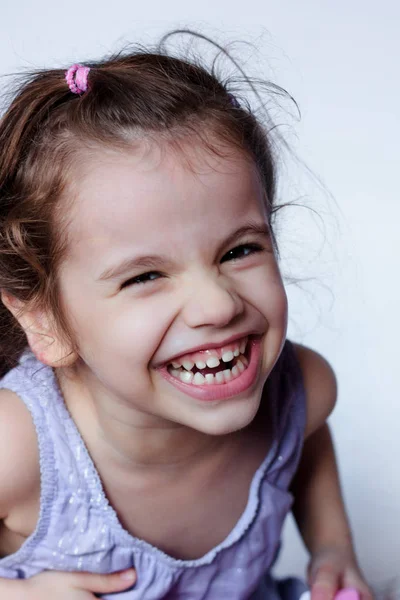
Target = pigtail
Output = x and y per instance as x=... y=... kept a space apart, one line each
x=22 y=227
x=18 y=128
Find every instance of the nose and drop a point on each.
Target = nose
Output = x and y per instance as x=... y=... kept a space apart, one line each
x=211 y=301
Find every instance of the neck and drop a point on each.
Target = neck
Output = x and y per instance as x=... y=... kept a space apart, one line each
x=117 y=432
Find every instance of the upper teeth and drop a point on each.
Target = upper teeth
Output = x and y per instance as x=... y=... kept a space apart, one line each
x=227 y=356
x=188 y=365
x=212 y=362
x=202 y=361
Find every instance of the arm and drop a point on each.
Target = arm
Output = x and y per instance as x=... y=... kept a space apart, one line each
x=19 y=487
x=319 y=508
x=19 y=457
x=66 y=586
x=19 y=470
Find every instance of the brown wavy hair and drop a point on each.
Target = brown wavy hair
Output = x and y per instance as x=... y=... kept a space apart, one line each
x=131 y=95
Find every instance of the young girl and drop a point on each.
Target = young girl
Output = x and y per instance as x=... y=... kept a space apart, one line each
x=155 y=415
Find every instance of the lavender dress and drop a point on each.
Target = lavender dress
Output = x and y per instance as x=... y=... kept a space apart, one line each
x=79 y=530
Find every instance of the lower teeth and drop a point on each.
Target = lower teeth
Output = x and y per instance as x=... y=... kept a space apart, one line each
x=211 y=379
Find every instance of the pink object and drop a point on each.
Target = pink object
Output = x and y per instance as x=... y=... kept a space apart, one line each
x=347 y=594
x=76 y=77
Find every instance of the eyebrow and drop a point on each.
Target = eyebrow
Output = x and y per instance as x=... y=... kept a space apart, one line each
x=156 y=261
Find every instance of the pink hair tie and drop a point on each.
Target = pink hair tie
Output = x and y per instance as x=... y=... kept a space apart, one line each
x=76 y=77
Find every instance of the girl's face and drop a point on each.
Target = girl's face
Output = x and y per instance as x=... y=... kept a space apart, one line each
x=170 y=272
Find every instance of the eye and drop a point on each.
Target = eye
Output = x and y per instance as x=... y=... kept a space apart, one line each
x=242 y=251
x=143 y=278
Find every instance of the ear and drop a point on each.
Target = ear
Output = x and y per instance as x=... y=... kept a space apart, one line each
x=43 y=338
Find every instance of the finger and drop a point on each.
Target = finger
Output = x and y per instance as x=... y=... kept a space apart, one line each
x=103 y=584
x=356 y=584
x=354 y=579
x=364 y=593
x=325 y=583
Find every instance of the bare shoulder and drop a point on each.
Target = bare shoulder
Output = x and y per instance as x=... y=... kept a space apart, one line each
x=320 y=386
x=19 y=455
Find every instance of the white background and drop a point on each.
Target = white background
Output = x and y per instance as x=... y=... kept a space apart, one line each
x=340 y=60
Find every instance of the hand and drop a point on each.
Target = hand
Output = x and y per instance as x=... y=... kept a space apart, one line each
x=74 y=586
x=332 y=569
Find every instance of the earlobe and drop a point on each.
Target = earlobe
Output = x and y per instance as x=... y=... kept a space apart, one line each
x=45 y=342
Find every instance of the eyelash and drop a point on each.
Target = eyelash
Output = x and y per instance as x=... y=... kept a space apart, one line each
x=149 y=276
x=254 y=248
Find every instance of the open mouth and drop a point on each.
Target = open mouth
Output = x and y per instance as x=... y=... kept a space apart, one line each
x=218 y=373
x=212 y=367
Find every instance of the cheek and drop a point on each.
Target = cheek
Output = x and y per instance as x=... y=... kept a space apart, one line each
x=277 y=302
x=126 y=328
x=264 y=289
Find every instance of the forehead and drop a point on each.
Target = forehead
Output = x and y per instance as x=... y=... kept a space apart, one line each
x=150 y=195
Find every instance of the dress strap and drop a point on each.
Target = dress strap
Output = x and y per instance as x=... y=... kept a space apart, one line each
x=287 y=395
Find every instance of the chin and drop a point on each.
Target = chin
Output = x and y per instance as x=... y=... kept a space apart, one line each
x=229 y=419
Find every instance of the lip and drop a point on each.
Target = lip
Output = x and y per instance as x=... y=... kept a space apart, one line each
x=211 y=345
x=212 y=393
